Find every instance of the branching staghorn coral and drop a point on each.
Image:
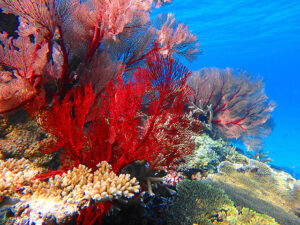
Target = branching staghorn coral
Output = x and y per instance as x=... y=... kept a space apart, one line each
x=16 y=177
x=64 y=195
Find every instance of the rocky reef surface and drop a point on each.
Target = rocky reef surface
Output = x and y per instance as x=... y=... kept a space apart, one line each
x=217 y=184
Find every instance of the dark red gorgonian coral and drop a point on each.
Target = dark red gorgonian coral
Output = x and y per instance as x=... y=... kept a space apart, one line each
x=232 y=106
x=66 y=50
x=137 y=119
x=155 y=117
x=66 y=121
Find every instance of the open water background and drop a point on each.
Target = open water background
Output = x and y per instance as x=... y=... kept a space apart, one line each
x=263 y=38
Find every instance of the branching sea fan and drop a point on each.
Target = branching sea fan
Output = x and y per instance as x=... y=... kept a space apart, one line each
x=229 y=105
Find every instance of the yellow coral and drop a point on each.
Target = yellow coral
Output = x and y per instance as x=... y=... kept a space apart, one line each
x=258 y=180
x=246 y=216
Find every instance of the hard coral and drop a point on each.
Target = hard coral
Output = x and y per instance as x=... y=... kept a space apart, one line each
x=259 y=187
x=209 y=153
x=24 y=139
x=62 y=196
x=243 y=217
x=196 y=202
x=200 y=203
x=15 y=175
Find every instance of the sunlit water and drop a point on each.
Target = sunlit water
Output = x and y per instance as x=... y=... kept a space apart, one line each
x=262 y=37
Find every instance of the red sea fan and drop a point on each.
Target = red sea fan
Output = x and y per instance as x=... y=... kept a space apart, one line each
x=232 y=106
x=93 y=214
x=66 y=120
x=138 y=111
x=138 y=119
x=27 y=62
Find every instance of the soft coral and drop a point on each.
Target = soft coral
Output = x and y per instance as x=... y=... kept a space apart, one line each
x=134 y=120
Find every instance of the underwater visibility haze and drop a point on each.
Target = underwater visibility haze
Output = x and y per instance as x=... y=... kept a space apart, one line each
x=152 y=112
x=263 y=38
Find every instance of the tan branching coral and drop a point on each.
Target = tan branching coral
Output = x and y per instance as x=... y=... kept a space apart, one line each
x=80 y=184
x=15 y=177
x=63 y=195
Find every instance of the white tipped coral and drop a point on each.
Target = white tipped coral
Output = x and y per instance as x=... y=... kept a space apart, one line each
x=64 y=195
x=15 y=177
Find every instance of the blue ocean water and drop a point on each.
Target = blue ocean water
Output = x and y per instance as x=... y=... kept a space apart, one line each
x=263 y=38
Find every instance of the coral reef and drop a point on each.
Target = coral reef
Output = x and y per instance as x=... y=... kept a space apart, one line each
x=150 y=210
x=78 y=69
x=259 y=187
x=107 y=94
x=5 y=127
x=196 y=202
x=15 y=174
x=209 y=153
x=295 y=202
x=67 y=39
x=122 y=132
x=243 y=217
x=21 y=137
x=260 y=155
x=150 y=205
x=200 y=203
x=62 y=196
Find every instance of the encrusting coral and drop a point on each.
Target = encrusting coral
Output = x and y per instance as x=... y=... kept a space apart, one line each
x=64 y=195
x=24 y=139
x=260 y=188
x=209 y=153
x=245 y=216
x=201 y=203
x=5 y=127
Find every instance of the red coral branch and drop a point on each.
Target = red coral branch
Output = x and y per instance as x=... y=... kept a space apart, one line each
x=237 y=104
x=95 y=43
x=93 y=214
x=122 y=128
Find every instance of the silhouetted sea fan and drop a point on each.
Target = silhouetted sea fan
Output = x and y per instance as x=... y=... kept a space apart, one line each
x=232 y=106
